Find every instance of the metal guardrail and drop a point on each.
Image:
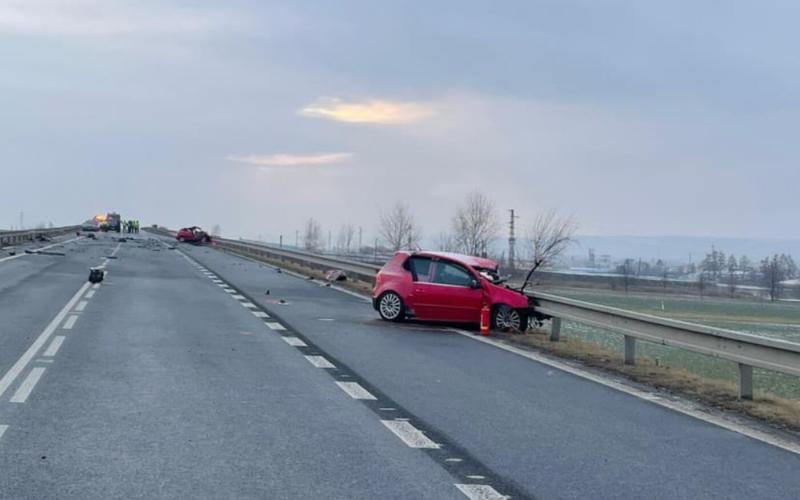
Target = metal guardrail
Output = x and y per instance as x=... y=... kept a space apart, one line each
x=17 y=237
x=747 y=350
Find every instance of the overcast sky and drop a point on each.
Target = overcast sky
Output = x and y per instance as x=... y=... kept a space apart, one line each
x=638 y=118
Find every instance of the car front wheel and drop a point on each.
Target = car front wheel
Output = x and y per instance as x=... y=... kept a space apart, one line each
x=390 y=307
x=506 y=318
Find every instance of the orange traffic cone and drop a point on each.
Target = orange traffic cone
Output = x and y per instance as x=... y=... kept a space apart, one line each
x=485 y=313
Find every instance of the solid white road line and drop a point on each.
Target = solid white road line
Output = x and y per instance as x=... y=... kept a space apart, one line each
x=275 y=326
x=81 y=305
x=26 y=358
x=23 y=254
x=409 y=434
x=480 y=492
x=70 y=322
x=355 y=391
x=3 y=429
x=260 y=314
x=27 y=385
x=89 y=294
x=294 y=341
x=95 y=286
x=319 y=362
x=685 y=407
x=52 y=349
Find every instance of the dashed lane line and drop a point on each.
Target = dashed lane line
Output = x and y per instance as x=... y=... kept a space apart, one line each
x=27 y=385
x=294 y=341
x=52 y=349
x=81 y=305
x=480 y=492
x=14 y=372
x=260 y=314
x=3 y=429
x=320 y=362
x=89 y=294
x=409 y=434
x=70 y=322
x=356 y=391
x=275 y=326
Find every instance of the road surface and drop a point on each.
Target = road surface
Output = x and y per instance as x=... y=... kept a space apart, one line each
x=191 y=373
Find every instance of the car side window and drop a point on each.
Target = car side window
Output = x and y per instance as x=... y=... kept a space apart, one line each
x=420 y=268
x=448 y=273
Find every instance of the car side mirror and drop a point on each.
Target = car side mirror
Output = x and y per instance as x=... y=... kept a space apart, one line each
x=474 y=284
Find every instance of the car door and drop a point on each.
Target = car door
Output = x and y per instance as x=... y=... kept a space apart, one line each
x=448 y=295
x=420 y=298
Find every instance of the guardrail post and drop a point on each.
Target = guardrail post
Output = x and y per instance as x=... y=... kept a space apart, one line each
x=630 y=350
x=555 y=329
x=745 y=381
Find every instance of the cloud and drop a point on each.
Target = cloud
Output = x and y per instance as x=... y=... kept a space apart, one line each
x=104 y=18
x=369 y=111
x=290 y=160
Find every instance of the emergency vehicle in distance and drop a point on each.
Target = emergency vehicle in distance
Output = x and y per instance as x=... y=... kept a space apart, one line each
x=192 y=234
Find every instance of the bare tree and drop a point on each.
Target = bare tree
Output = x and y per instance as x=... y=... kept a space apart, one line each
x=549 y=236
x=312 y=236
x=625 y=270
x=344 y=238
x=733 y=267
x=397 y=227
x=447 y=242
x=475 y=224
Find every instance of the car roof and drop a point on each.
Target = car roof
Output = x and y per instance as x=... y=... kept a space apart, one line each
x=461 y=258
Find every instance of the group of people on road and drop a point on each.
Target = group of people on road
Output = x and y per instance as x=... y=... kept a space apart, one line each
x=131 y=226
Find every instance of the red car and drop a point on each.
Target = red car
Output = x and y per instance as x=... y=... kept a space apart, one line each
x=441 y=286
x=192 y=235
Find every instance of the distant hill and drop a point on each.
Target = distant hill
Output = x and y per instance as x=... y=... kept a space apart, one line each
x=679 y=248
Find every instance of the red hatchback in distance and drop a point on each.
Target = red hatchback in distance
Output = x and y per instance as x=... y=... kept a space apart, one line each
x=441 y=286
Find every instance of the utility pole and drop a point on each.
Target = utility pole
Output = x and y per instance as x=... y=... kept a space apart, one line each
x=296 y=238
x=281 y=241
x=359 y=238
x=21 y=220
x=512 y=240
x=330 y=247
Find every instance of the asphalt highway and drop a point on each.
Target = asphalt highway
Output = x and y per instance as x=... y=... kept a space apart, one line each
x=192 y=373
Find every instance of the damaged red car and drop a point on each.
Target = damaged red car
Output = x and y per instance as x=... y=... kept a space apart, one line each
x=192 y=235
x=449 y=287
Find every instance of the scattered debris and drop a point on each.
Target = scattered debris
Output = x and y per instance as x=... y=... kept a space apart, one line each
x=266 y=293
x=335 y=275
x=96 y=275
x=91 y=236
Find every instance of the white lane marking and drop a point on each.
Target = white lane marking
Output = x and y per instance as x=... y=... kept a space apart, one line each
x=42 y=360
x=355 y=390
x=409 y=434
x=249 y=305
x=23 y=254
x=480 y=492
x=27 y=385
x=70 y=322
x=684 y=407
x=26 y=358
x=453 y=459
x=238 y=297
x=119 y=245
x=52 y=349
x=475 y=476
x=228 y=290
x=81 y=306
x=89 y=294
x=275 y=326
x=3 y=429
x=95 y=286
x=319 y=362
x=294 y=341
x=260 y=314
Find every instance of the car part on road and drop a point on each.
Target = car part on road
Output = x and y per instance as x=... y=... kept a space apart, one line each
x=96 y=275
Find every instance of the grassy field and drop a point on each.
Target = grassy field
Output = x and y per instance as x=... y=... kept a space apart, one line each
x=776 y=320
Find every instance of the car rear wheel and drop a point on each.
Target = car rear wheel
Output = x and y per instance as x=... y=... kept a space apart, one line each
x=182 y=239
x=390 y=307
x=506 y=318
